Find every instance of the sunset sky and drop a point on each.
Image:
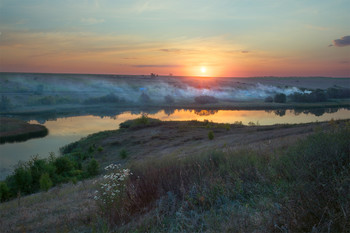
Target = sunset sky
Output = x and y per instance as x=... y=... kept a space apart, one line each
x=184 y=37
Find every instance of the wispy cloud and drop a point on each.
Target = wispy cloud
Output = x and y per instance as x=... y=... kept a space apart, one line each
x=344 y=41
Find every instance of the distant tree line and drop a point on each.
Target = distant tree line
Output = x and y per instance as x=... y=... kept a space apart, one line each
x=110 y=98
x=314 y=96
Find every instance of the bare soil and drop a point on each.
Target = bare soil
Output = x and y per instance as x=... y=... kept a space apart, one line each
x=191 y=137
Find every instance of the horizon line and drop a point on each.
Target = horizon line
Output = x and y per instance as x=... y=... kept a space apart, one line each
x=165 y=75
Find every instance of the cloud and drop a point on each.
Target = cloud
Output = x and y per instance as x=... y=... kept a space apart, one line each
x=344 y=41
x=180 y=51
x=92 y=20
x=157 y=66
x=171 y=50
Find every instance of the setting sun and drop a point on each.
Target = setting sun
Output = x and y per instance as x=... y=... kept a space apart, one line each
x=203 y=69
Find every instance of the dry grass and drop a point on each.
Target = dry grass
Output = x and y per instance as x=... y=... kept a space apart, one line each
x=58 y=210
x=158 y=199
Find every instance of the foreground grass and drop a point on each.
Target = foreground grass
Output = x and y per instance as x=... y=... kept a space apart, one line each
x=302 y=189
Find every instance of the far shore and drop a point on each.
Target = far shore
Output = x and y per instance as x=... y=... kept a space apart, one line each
x=242 y=105
x=14 y=130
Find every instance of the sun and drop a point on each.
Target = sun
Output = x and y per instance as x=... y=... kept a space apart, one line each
x=203 y=69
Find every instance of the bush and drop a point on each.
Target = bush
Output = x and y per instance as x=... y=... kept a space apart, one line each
x=41 y=174
x=211 y=135
x=4 y=192
x=123 y=154
x=45 y=182
x=64 y=166
x=93 y=168
x=23 y=180
x=280 y=98
x=140 y=122
x=100 y=149
x=38 y=167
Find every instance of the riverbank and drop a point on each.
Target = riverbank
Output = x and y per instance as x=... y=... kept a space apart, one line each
x=70 y=109
x=242 y=174
x=14 y=130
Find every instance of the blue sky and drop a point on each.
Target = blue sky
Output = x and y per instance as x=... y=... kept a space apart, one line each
x=229 y=38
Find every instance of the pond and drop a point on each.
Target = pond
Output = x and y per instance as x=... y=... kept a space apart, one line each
x=64 y=130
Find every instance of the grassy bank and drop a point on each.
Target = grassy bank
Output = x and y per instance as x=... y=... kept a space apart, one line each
x=14 y=130
x=302 y=188
x=270 y=184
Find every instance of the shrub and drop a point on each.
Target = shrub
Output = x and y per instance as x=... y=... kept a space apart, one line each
x=142 y=121
x=4 y=192
x=37 y=168
x=91 y=149
x=64 y=166
x=100 y=149
x=280 y=98
x=23 y=179
x=123 y=154
x=211 y=135
x=93 y=168
x=45 y=182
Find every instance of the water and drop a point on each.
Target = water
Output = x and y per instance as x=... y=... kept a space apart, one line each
x=65 y=130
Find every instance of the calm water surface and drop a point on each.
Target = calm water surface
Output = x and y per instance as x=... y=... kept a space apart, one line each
x=66 y=130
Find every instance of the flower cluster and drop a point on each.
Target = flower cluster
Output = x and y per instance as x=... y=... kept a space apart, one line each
x=113 y=184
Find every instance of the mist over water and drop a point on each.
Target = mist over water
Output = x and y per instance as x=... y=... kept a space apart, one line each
x=130 y=88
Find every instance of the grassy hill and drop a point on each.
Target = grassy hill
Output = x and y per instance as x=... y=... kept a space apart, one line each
x=173 y=177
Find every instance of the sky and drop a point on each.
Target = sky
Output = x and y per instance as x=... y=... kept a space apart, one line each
x=226 y=38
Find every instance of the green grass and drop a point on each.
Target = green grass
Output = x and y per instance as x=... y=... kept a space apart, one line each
x=143 y=121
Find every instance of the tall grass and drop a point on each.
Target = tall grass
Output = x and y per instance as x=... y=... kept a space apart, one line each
x=302 y=189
